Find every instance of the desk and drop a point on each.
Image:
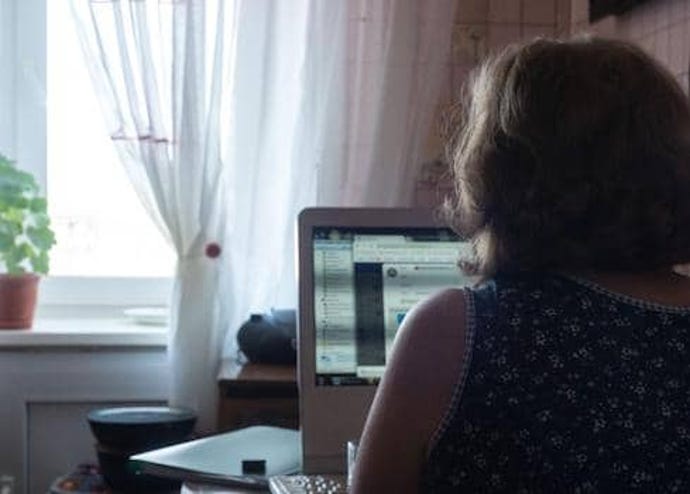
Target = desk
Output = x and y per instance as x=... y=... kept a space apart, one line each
x=257 y=394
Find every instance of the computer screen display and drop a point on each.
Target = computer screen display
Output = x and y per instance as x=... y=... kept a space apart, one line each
x=365 y=280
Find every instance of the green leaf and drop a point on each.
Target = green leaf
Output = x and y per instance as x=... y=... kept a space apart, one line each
x=19 y=202
x=40 y=263
x=13 y=258
x=5 y=161
x=15 y=269
x=38 y=205
x=14 y=181
x=12 y=229
x=26 y=250
x=22 y=208
x=43 y=238
x=41 y=221
x=6 y=241
x=9 y=191
x=15 y=216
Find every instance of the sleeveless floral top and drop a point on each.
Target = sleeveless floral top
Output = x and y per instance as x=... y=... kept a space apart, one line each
x=567 y=387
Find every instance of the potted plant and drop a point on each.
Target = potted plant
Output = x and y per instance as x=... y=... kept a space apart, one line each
x=25 y=240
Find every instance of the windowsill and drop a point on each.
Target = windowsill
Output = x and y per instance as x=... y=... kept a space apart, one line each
x=79 y=330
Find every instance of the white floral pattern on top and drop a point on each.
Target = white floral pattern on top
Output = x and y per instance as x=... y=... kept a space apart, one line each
x=570 y=388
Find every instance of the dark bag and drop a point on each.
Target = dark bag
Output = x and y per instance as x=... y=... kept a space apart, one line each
x=270 y=338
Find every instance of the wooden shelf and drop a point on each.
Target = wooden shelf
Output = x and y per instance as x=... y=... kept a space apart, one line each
x=257 y=394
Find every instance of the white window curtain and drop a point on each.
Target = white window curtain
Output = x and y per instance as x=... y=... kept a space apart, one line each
x=397 y=56
x=230 y=116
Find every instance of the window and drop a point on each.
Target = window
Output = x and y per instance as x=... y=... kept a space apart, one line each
x=108 y=250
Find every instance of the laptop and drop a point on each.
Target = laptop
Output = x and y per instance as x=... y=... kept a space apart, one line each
x=244 y=458
x=359 y=271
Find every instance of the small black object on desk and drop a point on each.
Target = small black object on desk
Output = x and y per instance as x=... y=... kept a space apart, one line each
x=270 y=338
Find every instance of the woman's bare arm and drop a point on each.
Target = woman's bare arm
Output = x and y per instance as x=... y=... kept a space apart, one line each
x=413 y=395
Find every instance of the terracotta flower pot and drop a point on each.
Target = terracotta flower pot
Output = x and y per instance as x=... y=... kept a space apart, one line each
x=17 y=300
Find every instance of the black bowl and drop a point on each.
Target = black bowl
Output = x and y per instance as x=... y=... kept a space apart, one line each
x=119 y=474
x=135 y=429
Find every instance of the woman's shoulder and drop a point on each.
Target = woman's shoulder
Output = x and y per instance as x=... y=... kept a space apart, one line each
x=433 y=331
x=430 y=352
x=441 y=313
x=414 y=394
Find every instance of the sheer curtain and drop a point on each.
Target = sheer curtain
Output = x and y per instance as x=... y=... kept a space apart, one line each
x=230 y=116
x=397 y=57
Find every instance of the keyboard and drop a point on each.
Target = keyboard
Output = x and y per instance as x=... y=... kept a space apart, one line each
x=308 y=484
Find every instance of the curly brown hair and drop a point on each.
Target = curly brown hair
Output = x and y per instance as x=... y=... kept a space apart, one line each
x=573 y=155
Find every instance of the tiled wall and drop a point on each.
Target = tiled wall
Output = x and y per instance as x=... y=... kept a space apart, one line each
x=662 y=27
x=481 y=27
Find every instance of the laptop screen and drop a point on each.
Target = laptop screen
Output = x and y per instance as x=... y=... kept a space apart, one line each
x=365 y=280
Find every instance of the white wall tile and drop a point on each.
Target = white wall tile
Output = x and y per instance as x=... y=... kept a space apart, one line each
x=661 y=45
x=529 y=32
x=471 y=11
x=678 y=10
x=675 y=48
x=579 y=11
x=539 y=11
x=469 y=43
x=504 y=11
x=501 y=35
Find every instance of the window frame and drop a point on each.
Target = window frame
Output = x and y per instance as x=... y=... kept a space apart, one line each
x=23 y=38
